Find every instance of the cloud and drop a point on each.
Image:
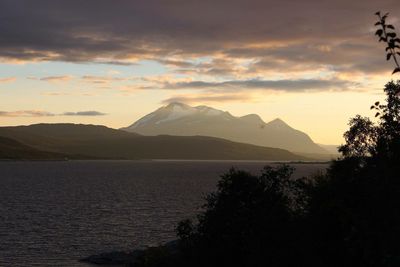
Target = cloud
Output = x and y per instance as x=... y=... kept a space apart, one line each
x=84 y=113
x=177 y=63
x=40 y=113
x=101 y=79
x=300 y=85
x=357 y=55
x=26 y=113
x=7 y=79
x=100 y=31
x=54 y=93
x=217 y=66
x=209 y=98
x=56 y=78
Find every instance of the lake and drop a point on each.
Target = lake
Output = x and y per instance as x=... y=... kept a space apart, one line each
x=54 y=213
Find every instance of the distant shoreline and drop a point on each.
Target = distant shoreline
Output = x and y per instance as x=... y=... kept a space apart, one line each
x=170 y=160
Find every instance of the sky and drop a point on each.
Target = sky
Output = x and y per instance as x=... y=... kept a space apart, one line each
x=312 y=63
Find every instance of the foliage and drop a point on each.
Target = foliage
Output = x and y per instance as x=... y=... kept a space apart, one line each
x=387 y=34
x=355 y=208
x=249 y=221
x=380 y=140
x=360 y=139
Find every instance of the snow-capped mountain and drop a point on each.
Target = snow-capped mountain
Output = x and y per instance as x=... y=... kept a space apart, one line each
x=183 y=120
x=173 y=112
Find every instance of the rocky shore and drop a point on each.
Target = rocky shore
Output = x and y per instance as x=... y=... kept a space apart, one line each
x=120 y=258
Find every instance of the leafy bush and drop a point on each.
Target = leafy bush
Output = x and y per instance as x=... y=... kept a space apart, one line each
x=355 y=208
x=249 y=221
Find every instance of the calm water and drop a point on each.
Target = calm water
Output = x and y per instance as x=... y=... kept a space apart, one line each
x=54 y=213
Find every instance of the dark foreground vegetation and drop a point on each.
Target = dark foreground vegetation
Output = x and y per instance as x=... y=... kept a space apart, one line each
x=349 y=216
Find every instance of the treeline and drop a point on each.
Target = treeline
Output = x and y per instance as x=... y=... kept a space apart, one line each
x=348 y=216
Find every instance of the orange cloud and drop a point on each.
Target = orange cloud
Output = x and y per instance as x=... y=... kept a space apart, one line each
x=64 y=78
x=7 y=79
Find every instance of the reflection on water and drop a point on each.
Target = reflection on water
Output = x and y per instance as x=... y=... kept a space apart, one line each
x=54 y=213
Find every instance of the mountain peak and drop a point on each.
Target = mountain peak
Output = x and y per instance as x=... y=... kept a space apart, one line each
x=277 y=121
x=177 y=104
x=181 y=119
x=253 y=118
x=278 y=124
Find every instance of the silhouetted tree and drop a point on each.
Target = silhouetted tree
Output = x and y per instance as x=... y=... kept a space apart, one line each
x=387 y=34
x=360 y=139
x=249 y=221
x=355 y=208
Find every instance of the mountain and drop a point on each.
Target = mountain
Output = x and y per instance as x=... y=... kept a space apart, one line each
x=183 y=120
x=11 y=149
x=101 y=142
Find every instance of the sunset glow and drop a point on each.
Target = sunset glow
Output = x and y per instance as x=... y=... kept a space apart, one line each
x=313 y=64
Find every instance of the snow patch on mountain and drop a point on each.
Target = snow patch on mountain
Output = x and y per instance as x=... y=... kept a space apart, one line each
x=143 y=120
x=177 y=112
x=209 y=111
x=181 y=119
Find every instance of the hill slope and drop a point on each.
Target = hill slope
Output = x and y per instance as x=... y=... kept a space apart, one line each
x=103 y=142
x=12 y=150
x=332 y=149
x=182 y=120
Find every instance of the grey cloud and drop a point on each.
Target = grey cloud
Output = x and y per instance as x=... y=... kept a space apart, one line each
x=177 y=63
x=100 y=29
x=116 y=62
x=216 y=67
x=202 y=98
x=280 y=85
x=359 y=54
x=84 y=113
x=26 y=113
x=40 y=113
x=56 y=78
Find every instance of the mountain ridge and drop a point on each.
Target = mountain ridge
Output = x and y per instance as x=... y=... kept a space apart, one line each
x=183 y=120
x=100 y=142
